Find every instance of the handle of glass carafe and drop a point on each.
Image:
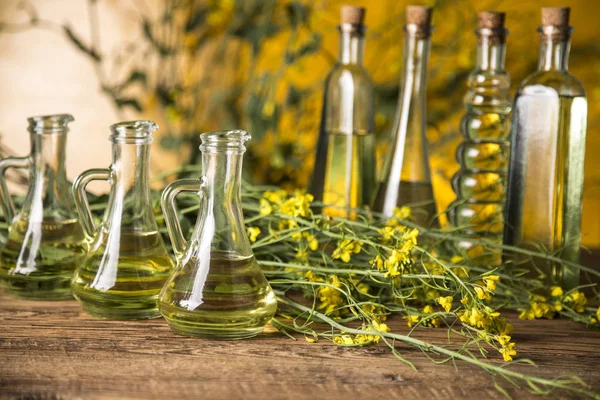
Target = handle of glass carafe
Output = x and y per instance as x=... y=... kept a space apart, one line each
x=8 y=207
x=169 y=208
x=81 y=200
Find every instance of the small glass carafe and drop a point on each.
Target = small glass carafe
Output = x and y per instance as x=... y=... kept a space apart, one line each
x=127 y=263
x=218 y=290
x=45 y=239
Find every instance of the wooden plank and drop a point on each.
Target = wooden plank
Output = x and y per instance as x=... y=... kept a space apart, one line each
x=52 y=350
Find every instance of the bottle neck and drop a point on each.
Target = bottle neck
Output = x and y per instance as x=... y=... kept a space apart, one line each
x=554 y=52
x=223 y=172
x=491 y=53
x=351 y=47
x=414 y=81
x=131 y=170
x=48 y=152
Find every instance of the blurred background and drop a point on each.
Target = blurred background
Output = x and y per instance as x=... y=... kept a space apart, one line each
x=196 y=66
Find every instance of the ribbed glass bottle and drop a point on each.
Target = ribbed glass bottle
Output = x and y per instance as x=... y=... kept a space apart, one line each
x=344 y=173
x=480 y=184
x=545 y=191
x=406 y=176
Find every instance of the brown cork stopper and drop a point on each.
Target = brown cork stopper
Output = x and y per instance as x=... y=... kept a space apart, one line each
x=419 y=15
x=352 y=15
x=556 y=16
x=491 y=19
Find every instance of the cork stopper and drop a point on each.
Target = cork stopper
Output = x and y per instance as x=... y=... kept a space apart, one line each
x=556 y=16
x=418 y=15
x=352 y=15
x=419 y=18
x=490 y=20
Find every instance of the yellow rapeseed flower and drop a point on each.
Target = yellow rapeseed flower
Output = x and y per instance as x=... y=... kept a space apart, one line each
x=556 y=291
x=330 y=297
x=402 y=212
x=345 y=249
x=377 y=262
x=508 y=351
x=265 y=207
x=482 y=293
x=576 y=301
x=253 y=233
x=490 y=282
x=445 y=302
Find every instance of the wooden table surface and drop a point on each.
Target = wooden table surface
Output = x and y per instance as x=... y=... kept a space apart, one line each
x=52 y=350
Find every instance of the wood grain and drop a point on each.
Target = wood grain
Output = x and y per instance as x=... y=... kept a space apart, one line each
x=52 y=350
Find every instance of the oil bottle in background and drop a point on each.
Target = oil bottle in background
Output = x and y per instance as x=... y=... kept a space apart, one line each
x=545 y=188
x=406 y=177
x=480 y=184
x=45 y=239
x=344 y=171
x=127 y=263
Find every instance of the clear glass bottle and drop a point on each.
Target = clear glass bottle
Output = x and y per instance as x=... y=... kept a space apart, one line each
x=344 y=173
x=406 y=177
x=545 y=190
x=45 y=239
x=217 y=290
x=480 y=184
x=127 y=263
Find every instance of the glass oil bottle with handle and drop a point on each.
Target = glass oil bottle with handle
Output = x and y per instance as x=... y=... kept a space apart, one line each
x=545 y=188
x=45 y=238
x=217 y=290
x=480 y=184
x=344 y=173
x=127 y=263
x=406 y=176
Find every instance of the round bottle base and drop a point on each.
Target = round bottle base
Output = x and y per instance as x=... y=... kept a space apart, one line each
x=121 y=314
x=117 y=306
x=212 y=332
x=33 y=288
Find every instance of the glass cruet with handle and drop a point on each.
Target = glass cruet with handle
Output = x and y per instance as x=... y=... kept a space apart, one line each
x=217 y=289
x=127 y=263
x=45 y=240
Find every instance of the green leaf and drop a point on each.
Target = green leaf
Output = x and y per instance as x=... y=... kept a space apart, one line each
x=129 y=102
x=136 y=76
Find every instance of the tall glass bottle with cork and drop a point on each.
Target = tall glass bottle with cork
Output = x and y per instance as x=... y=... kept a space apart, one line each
x=480 y=184
x=545 y=188
x=406 y=177
x=344 y=174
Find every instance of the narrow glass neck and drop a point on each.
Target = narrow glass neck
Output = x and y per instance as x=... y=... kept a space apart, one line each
x=48 y=152
x=414 y=80
x=223 y=172
x=491 y=52
x=131 y=169
x=554 y=53
x=351 y=47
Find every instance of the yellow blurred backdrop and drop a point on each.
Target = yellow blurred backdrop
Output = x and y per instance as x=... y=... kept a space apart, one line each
x=196 y=66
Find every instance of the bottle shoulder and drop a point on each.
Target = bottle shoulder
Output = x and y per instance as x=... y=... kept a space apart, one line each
x=562 y=82
x=341 y=73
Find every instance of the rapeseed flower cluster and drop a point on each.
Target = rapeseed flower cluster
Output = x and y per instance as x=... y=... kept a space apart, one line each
x=424 y=320
x=547 y=307
x=363 y=339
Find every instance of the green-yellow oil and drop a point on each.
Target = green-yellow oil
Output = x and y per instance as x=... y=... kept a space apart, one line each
x=39 y=258
x=123 y=275
x=229 y=298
